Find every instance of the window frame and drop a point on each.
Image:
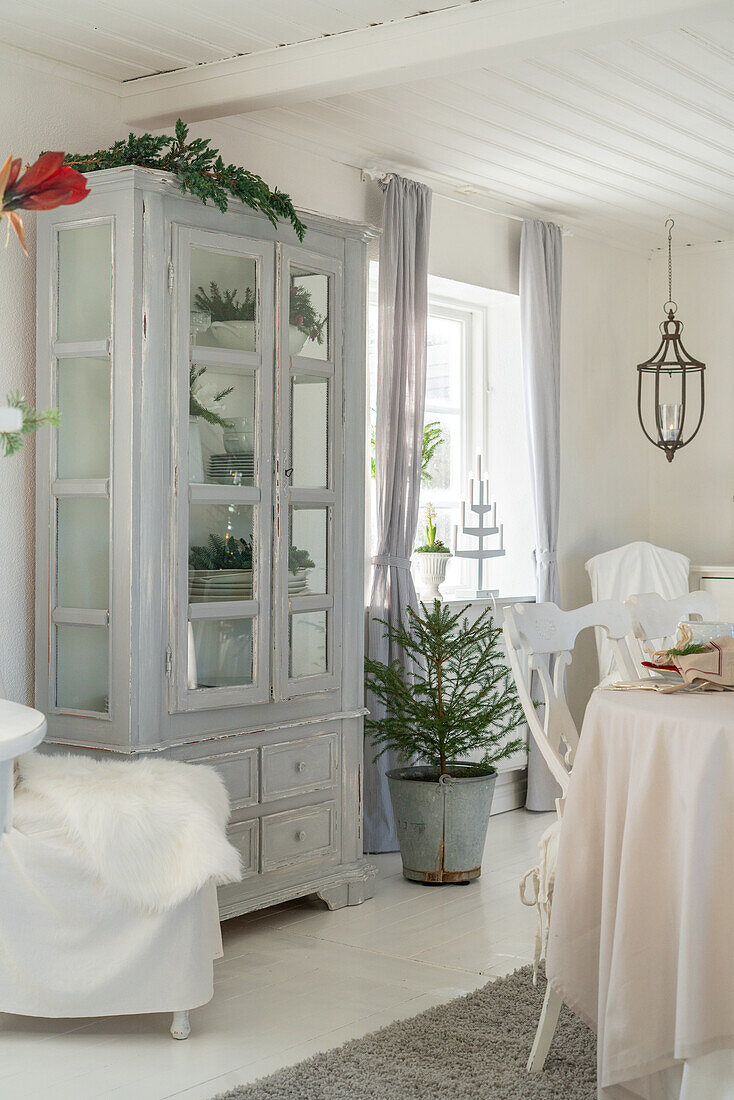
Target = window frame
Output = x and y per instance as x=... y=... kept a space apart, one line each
x=471 y=308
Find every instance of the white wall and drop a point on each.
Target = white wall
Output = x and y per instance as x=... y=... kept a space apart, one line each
x=604 y=456
x=38 y=110
x=691 y=502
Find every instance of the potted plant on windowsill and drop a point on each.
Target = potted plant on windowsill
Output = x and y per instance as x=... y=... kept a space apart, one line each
x=460 y=698
x=431 y=559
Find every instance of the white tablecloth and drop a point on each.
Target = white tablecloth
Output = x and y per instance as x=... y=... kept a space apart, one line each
x=642 y=926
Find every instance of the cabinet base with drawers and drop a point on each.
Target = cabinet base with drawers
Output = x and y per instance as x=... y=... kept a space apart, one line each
x=288 y=790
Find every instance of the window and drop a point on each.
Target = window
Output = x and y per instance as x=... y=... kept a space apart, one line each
x=474 y=399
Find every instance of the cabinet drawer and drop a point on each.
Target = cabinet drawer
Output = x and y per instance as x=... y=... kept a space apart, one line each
x=298 y=836
x=239 y=772
x=299 y=766
x=245 y=835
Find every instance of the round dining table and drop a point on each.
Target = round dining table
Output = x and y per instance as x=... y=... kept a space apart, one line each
x=641 y=942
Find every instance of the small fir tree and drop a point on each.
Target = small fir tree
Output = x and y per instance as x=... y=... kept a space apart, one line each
x=461 y=696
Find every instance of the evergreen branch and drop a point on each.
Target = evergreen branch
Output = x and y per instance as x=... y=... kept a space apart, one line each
x=199 y=169
x=11 y=442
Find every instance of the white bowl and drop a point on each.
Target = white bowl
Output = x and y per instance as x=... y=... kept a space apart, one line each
x=235 y=335
x=706 y=631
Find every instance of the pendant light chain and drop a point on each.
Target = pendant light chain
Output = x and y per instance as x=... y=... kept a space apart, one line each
x=669 y=226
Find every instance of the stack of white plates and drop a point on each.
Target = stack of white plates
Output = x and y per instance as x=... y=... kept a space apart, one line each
x=218 y=585
x=232 y=469
x=298 y=583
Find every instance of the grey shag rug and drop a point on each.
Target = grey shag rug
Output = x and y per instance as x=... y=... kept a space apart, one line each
x=473 y=1048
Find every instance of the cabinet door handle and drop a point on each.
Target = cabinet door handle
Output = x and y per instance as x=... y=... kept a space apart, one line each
x=288 y=471
x=300 y=835
x=301 y=766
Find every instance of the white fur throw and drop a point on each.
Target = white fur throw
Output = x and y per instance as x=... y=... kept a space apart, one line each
x=152 y=832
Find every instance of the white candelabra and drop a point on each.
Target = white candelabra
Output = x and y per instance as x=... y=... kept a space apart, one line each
x=481 y=508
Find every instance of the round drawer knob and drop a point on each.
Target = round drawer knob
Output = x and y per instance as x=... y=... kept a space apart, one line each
x=300 y=835
x=301 y=766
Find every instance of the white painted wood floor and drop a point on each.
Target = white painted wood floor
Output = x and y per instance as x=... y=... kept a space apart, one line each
x=296 y=980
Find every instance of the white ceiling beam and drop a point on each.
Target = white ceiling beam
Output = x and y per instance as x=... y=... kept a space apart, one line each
x=480 y=34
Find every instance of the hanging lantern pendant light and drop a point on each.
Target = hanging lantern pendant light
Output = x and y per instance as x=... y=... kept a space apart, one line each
x=674 y=376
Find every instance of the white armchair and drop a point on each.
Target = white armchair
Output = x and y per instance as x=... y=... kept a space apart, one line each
x=71 y=945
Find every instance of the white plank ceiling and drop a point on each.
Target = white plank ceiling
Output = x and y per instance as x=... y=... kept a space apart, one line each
x=608 y=139
x=134 y=38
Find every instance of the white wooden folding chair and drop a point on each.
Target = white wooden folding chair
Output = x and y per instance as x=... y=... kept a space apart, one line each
x=539 y=639
x=655 y=621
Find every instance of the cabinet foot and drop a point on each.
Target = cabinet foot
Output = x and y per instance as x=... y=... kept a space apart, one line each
x=347 y=893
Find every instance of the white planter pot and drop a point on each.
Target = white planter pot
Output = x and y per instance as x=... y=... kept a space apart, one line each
x=296 y=340
x=431 y=569
x=240 y=336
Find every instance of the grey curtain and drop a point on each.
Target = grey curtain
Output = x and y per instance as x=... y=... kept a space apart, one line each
x=540 y=319
x=401 y=393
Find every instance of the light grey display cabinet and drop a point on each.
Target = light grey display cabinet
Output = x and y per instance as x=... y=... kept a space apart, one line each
x=200 y=512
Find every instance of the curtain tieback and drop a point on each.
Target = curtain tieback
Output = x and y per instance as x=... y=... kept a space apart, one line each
x=391 y=559
x=545 y=557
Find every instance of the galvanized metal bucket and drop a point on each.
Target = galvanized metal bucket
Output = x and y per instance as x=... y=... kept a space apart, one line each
x=441 y=825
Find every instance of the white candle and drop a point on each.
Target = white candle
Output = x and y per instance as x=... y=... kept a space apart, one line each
x=463 y=513
x=453 y=541
x=479 y=467
x=471 y=489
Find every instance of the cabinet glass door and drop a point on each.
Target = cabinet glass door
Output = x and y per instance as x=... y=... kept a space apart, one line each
x=81 y=550
x=309 y=364
x=223 y=355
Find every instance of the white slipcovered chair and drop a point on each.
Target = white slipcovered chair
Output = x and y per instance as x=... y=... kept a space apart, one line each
x=107 y=909
x=655 y=621
x=539 y=639
x=637 y=567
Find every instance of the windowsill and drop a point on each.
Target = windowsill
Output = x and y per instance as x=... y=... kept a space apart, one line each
x=462 y=596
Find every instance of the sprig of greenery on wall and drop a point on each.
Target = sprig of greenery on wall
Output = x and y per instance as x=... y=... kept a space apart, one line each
x=11 y=442
x=199 y=170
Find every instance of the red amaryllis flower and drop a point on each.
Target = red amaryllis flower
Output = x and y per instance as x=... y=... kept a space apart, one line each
x=45 y=185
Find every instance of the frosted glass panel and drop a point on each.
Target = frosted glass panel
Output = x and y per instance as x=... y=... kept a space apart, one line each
x=308 y=550
x=308 y=644
x=83 y=396
x=85 y=282
x=82 y=655
x=309 y=431
x=308 y=317
x=82 y=552
x=223 y=300
x=221 y=551
x=222 y=452
x=220 y=653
